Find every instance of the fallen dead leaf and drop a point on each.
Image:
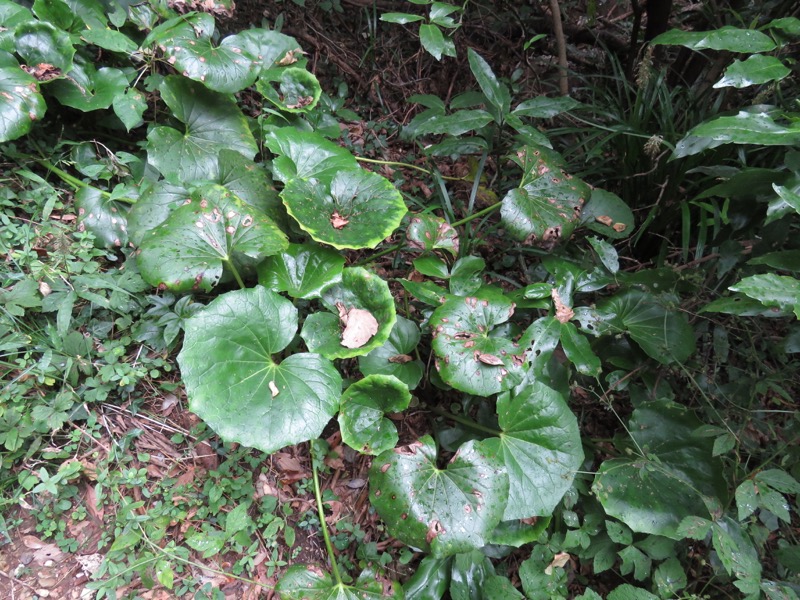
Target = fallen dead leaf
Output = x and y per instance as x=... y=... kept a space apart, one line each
x=559 y=560
x=338 y=221
x=563 y=312
x=359 y=326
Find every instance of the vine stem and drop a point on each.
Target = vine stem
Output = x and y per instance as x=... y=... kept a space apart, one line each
x=394 y=248
x=324 y=526
x=464 y=421
x=75 y=182
x=406 y=165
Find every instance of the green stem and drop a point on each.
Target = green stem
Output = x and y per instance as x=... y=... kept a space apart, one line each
x=236 y=275
x=402 y=164
x=486 y=211
x=464 y=421
x=324 y=526
x=75 y=182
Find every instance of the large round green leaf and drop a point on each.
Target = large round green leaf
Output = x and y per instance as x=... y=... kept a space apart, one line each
x=468 y=357
x=214 y=230
x=347 y=331
x=40 y=43
x=606 y=213
x=251 y=182
x=234 y=384
x=153 y=207
x=302 y=271
x=363 y=426
x=445 y=511
x=86 y=88
x=20 y=103
x=307 y=155
x=540 y=446
x=297 y=90
x=309 y=582
x=213 y=122
x=358 y=210
x=12 y=14
x=105 y=218
x=655 y=492
x=545 y=208
x=269 y=47
x=226 y=68
x=395 y=356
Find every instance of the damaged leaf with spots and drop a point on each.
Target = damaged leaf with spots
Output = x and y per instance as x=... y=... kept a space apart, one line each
x=21 y=103
x=444 y=511
x=428 y=232
x=358 y=210
x=467 y=356
x=211 y=233
x=547 y=205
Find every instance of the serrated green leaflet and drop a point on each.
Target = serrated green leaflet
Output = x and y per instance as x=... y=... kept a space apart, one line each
x=215 y=230
x=655 y=492
x=236 y=386
x=540 y=448
x=309 y=582
x=468 y=358
x=448 y=510
x=545 y=208
x=213 y=123
x=306 y=155
x=363 y=426
x=359 y=290
x=358 y=210
x=302 y=271
x=428 y=232
x=226 y=68
x=21 y=104
x=395 y=356
x=105 y=218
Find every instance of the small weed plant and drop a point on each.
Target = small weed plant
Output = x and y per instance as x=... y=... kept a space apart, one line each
x=257 y=243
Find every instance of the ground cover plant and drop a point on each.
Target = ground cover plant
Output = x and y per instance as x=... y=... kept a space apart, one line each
x=524 y=404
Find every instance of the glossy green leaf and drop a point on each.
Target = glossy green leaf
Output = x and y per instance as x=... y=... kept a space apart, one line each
x=236 y=386
x=129 y=107
x=540 y=580
x=468 y=358
x=153 y=207
x=359 y=290
x=788 y=25
x=578 y=351
x=744 y=128
x=21 y=103
x=86 y=88
x=543 y=337
x=105 y=218
x=469 y=575
x=215 y=230
x=607 y=214
x=426 y=292
x=11 y=15
x=465 y=276
x=297 y=90
x=546 y=206
x=307 y=155
x=40 y=43
x=518 y=533
x=444 y=511
x=428 y=232
x=400 y=18
x=104 y=37
x=739 y=304
x=787 y=201
x=395 y=356
x=269 y=48
x=458 y=123
x=735 y=549
x=358 y=210
x=543 y=107
x=628 y=592
x=435 y=42
x=724 y=38
x=540 y=447
x=772 y=290
x=212 y=122
x=606 y=253
x=656 y=492
x=430 y=580
x=746 y=499
x=361 y=420
x=756 y=70
x=302 y=271
x=496 y=92
x=431 y=266
x=309 y=582
x=226 y=68
x=653 y=321
x=778 y=479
